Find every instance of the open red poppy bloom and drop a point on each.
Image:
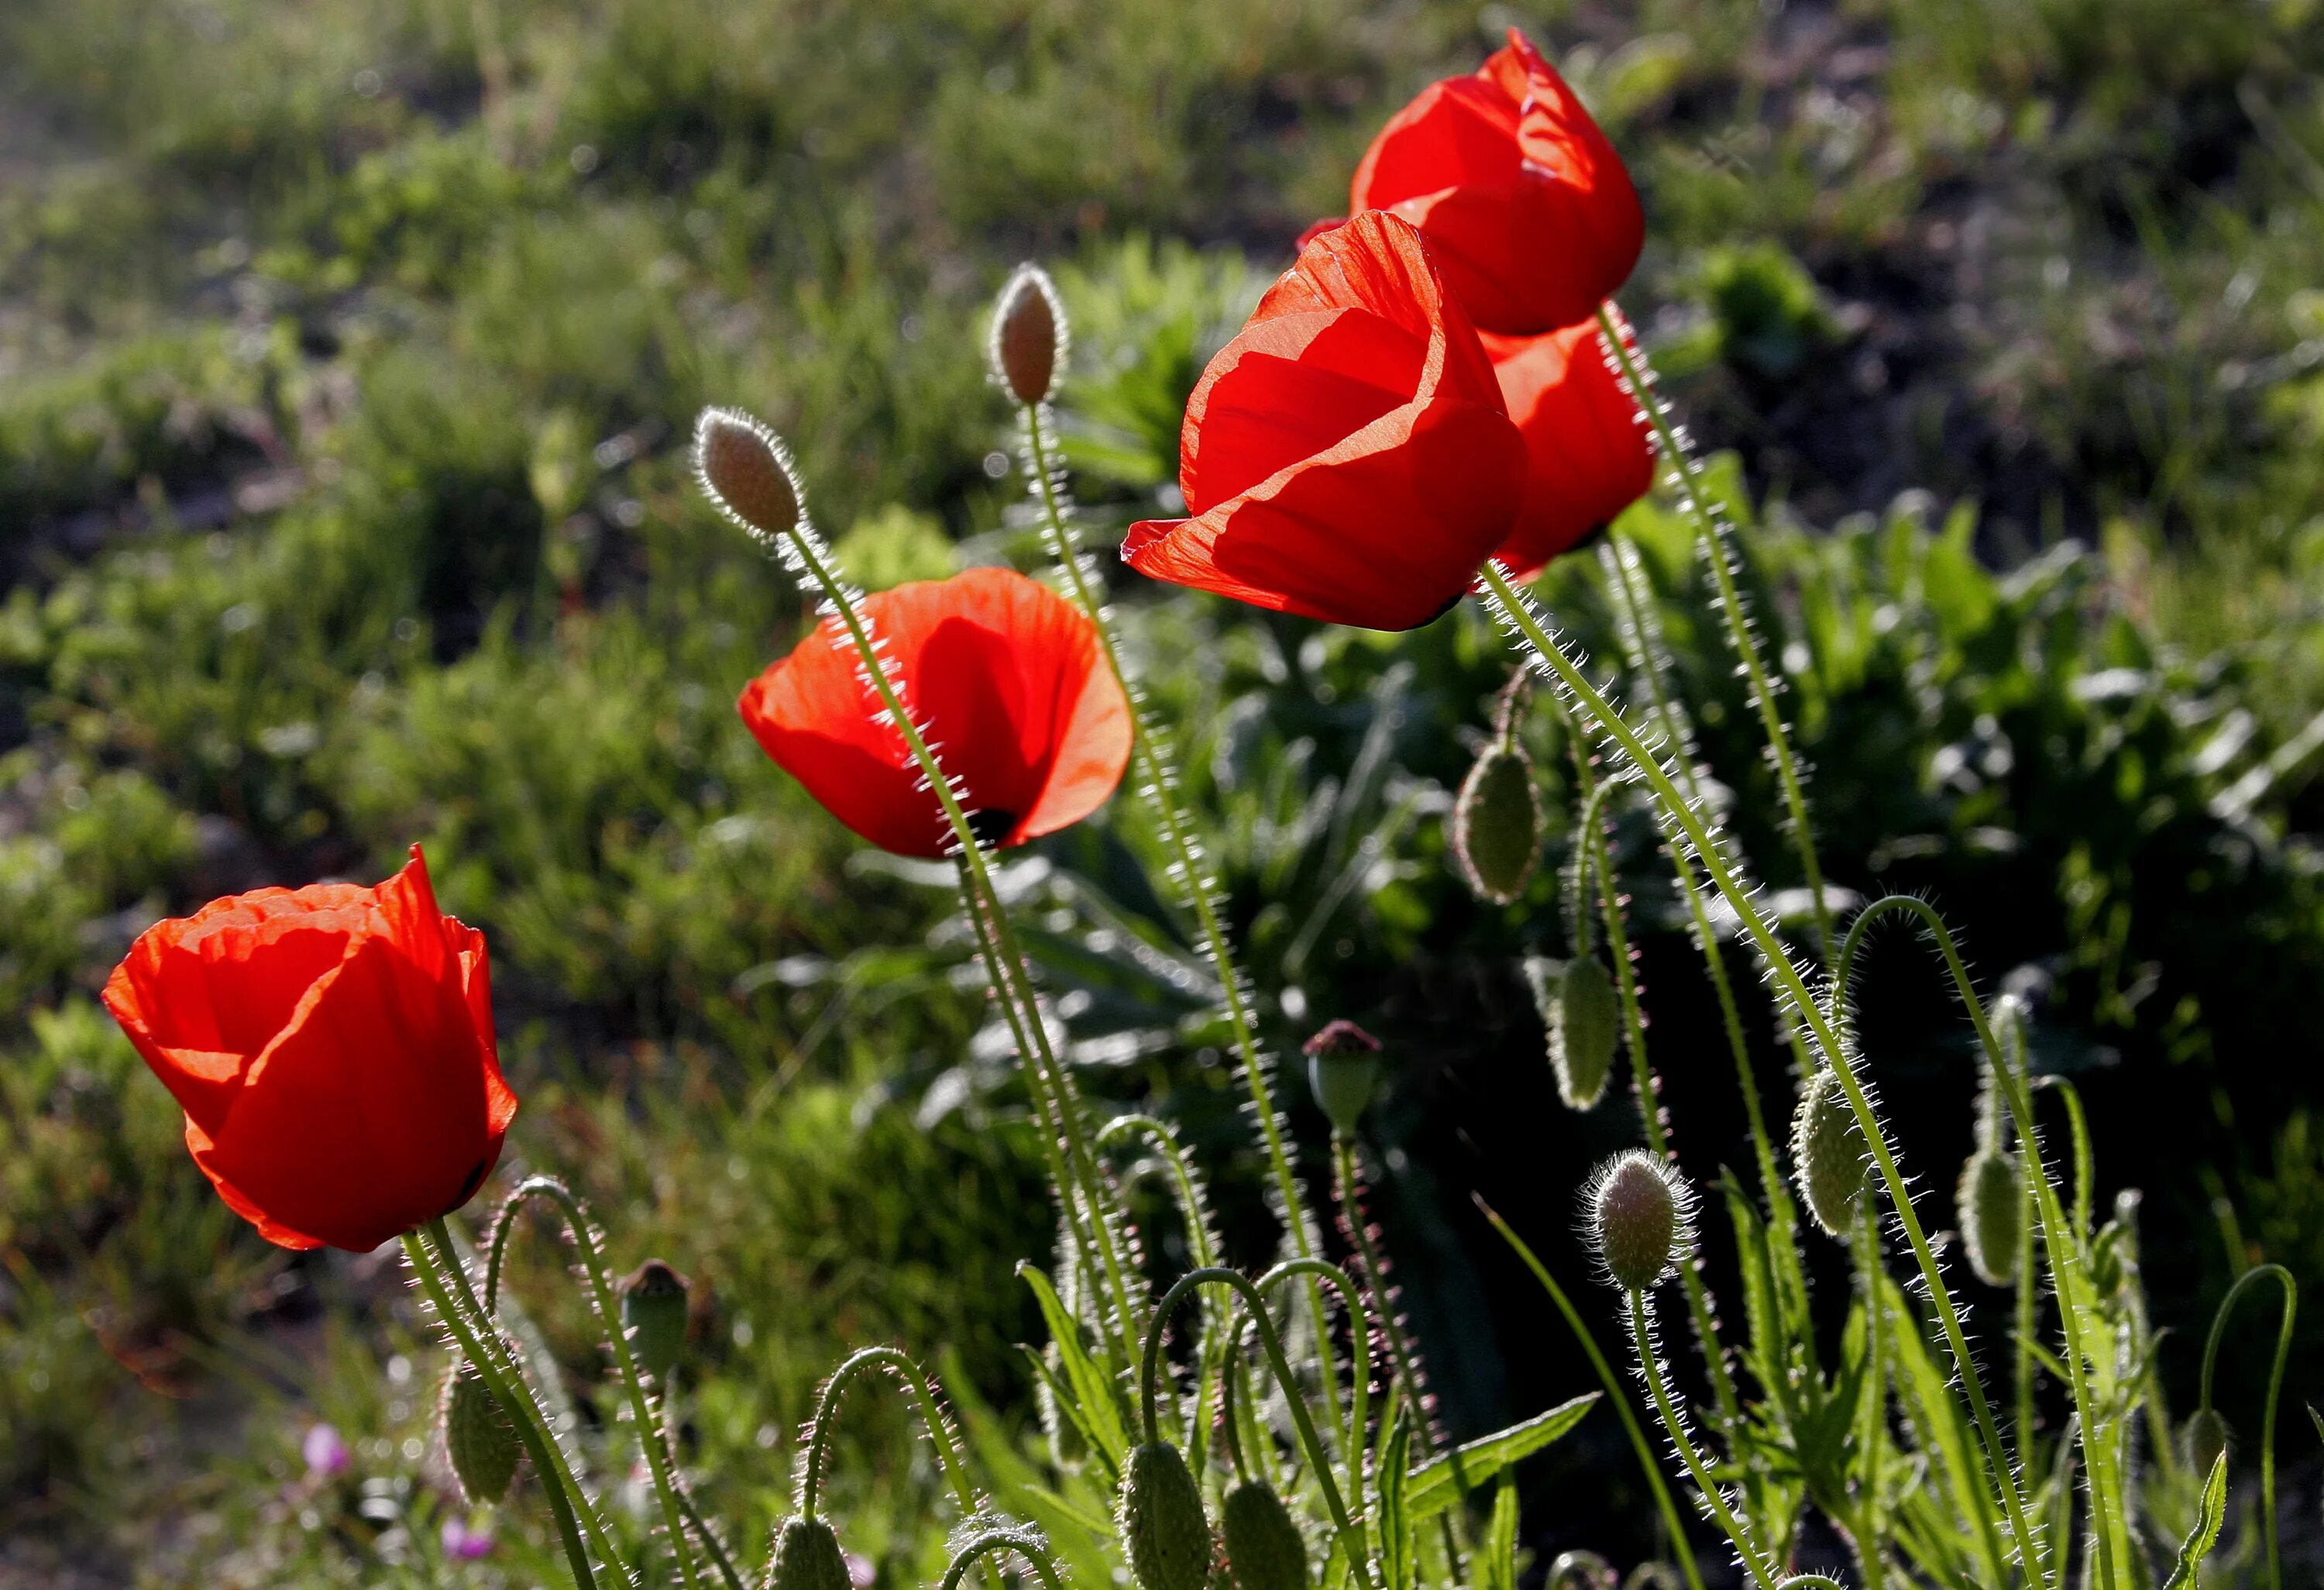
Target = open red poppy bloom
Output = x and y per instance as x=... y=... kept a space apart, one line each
x=1006 y=678
x=332 y=1048
x=1525 y=206
x=1347 y=456
x=1591 y=456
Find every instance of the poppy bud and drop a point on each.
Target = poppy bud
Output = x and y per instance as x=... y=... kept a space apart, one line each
x=1264 y=1547
x=1497 y=823
x=1638 y=1219
x=1343 y=1068
x=807 y=1558
x=1162 y=1521
x=2203 y=1440
x=1580 y=1013
x=653 y=1311
x=747 y=471
x=1986 y=1206
x=1028 y=335
x=477 y=1435
x=1828 y=1152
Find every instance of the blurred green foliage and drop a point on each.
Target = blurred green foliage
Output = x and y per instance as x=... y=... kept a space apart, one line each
x=346 y=352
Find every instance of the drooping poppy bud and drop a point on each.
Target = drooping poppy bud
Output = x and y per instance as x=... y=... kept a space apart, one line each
x=1161 y=1521
x=1265 y=1549
x=1007 y=679
x=653 y=1311
x=332 y=1048
x=2203 y=1440
x=1518 y=192
x=1828 y=1152
x=478 y=1438
x=1496 y=822
x=1986 y=1206
x=1580 y=1013
x=1343 y=1069
x=1639 y=1219
x=746 y=470
x=807 y=1558
x=1349 y=456
x=1028 y=338
x=1588 y=454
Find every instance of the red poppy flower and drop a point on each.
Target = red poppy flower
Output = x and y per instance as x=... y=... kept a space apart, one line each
x=1525 y=206
x=1591 y=456
x=1008 y=680
x=332 y=1048
x=1347 y=456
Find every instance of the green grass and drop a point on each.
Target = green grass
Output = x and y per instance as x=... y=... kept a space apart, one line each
x=345 y=351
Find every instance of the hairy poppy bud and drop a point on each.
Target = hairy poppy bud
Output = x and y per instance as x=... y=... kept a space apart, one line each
x=1827 y=1152
x=1028 y=335
x=1581 y=1014
x=653 y=1311
x=1342 y=1067
x=1638 y=1219
x=747 y=471
x=1986 y=1206
x=1497 y=823
x=807 y=1558
x=1264 y=1547
x=478 y=1438
x=2203 y=1440
x=1162 y=1521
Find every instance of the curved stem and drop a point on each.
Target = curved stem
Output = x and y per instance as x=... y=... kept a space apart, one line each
x=1685 y=472
x=609 y=1319
x=1791 y=985
x=1674 y=1425
x=1360 y=1369
x=1272 y=1345
x=911 y=1376
x=1193 y=1211
x=1025 y=1543
x=538 y=1444
x=2282 y=1277
x=1159 y=780
x=1615 y=1394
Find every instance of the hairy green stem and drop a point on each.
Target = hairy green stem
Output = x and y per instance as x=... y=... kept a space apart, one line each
x=915 y=1383
x=1867 y=1523
x=1650 y=1367
x=1026 y=1544
x=1791 y=984
x=2282 y=1277
x=1200 y=1248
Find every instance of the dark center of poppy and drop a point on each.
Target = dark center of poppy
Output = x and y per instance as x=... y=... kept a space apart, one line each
x=991 y=825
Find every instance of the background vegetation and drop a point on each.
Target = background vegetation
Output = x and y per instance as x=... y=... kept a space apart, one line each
x=346 y=352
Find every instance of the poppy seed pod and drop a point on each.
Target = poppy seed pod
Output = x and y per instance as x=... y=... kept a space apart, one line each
x=1497 y=823
x=1028 y=335
x=1265 y=1549
x=2203 y=1440
x=1986 y=1206
x=807 y=1558
x=478 y=1438
x=1581 y=1014
x=1162 y=1522
x=1639 y=1218
x=747 y=471
x=1343 y=1068
x=1828 y=1152
x=653 y=1311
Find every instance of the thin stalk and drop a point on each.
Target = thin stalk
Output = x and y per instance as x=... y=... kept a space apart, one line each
x=1200 y=1247
x=540 y=1444
x=1791 y=985
x=711 y=1543
x=1867 y=1530
x=1649 y=1089
x=1269 y=1340
x=1359 y=1329
x=909 y=1374
x=625 y=1363
x=1026 y=1544
x=2282 y=1277
x=1615 y=1394
x=1650 y=1368
x=1158 y=779
x=1684 y=472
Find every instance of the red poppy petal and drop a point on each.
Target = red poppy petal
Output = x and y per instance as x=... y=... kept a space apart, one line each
x=1290 y=388
x=199 y=1145
x=1590 y=456
x=809 y=714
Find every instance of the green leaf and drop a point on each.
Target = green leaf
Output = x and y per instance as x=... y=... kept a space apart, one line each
x=1092 y=1404
x=1438 y=1483
x=1497 y=1560
x=2199 y=1539
x=1394 y=1518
